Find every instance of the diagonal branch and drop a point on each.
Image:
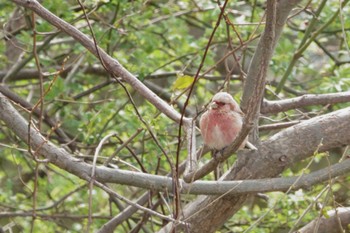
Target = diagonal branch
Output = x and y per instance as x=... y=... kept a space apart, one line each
x=113 y=66
x=116 y=69
x=63 y=137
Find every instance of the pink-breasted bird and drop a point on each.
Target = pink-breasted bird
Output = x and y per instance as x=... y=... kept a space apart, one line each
x=221 y=123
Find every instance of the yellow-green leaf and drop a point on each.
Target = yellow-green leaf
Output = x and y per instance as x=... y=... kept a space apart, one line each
x=182 y=82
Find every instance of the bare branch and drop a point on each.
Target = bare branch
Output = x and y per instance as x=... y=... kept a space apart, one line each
x=278 y=125
x=303 y=101
x=28 y=73
x=337 y=221
x=124 y=215
x=267 y=185
x=51 y=216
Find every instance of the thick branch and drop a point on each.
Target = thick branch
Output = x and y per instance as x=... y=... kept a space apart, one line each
x=254 y=85
x=256 y=76
x=337 y=221
x=272 y=157
x=267 y=185
x=303 y=101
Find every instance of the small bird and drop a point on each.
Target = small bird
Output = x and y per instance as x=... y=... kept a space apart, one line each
x=221 y=123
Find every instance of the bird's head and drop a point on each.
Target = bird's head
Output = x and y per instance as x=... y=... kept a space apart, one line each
x=223 y=101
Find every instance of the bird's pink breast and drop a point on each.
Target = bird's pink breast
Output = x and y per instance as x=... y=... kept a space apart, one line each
x=219 y=129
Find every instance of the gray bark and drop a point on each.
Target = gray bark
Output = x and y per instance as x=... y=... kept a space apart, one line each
x=337 y=221
x=272 y=157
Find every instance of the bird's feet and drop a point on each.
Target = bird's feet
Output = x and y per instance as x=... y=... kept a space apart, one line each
x=219 y=154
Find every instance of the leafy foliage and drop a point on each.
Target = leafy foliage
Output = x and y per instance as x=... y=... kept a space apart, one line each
x=154 y=40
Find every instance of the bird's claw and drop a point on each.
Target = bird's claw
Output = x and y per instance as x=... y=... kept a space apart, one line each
x=219 y=154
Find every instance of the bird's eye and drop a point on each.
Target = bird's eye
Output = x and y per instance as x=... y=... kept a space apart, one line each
x=220 y=103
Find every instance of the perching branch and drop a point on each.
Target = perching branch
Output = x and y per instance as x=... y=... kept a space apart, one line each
x=272 y=157
x=253 y=92
x=66 y=161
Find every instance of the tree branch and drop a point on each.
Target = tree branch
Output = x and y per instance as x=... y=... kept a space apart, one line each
x=63 y=137
x=66 y=161
x=28 y=73
x=113 y=66
x=273 y=156
x=267 y=185
x=337 y=221
x=252 y=94
x=276 y=126
x=303 y=101
x=116 y=69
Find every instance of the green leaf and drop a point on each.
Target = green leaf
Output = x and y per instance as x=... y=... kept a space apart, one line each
x=182 y=82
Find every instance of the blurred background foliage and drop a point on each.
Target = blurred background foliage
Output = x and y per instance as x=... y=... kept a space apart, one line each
x=157 y=41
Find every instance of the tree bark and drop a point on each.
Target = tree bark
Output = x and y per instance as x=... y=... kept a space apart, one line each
x=272 y=157
x=337 y=221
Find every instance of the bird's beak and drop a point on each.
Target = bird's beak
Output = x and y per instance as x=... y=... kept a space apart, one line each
x=214 y=105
